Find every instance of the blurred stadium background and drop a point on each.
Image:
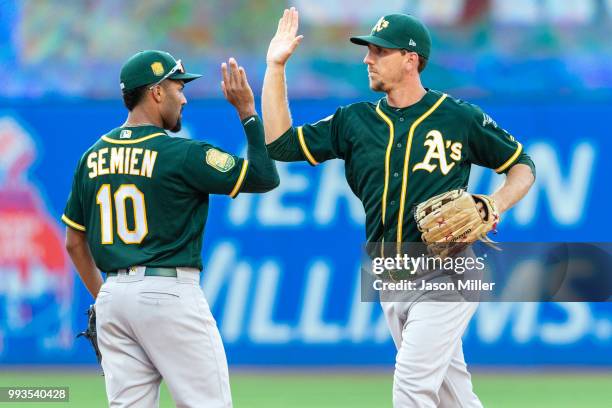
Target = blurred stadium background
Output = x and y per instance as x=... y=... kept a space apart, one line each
x=281 y=270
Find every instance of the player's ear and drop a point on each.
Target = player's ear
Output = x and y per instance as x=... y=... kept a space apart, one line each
x=157 y=93
x=412 y=61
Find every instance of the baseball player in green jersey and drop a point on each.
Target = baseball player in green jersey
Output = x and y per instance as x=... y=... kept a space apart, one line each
x=136 y=212
x=411 y=145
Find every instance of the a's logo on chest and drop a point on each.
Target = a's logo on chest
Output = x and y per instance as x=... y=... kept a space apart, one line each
x=436 y=150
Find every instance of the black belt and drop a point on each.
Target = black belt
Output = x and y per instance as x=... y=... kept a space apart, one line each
x=165 y=272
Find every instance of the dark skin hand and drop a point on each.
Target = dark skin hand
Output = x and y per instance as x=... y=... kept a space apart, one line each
x=76 y=245
x=236 y=89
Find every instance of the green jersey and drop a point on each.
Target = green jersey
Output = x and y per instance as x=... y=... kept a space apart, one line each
x=142 y=196
x=396 y=158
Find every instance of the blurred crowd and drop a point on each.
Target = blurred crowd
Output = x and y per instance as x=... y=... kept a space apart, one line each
x=482 y=48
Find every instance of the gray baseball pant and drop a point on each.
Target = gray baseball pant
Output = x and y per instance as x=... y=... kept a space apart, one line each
x=151 y=328
x=430 y=369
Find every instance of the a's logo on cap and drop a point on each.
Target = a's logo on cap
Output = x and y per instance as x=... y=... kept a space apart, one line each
x=157 y=68
x=380 y=25
x=412 y=43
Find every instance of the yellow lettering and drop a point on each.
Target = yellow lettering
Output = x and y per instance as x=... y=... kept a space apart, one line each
x=456 y=151
x=134 y=159
x=435 y=151
x=380 y=25
x=123 y=160
x=116 y=160
x=102 y=161
x=126 y=162
x=148 y=161
x=91 y=163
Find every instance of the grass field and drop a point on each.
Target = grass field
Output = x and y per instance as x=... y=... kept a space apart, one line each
x=318 y=390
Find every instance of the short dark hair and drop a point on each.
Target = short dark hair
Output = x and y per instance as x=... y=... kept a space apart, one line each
x=132 y=97
x=422 y=60
x=422 y=63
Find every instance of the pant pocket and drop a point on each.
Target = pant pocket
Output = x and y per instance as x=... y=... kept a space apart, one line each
x=158 y=297
x=103 y=297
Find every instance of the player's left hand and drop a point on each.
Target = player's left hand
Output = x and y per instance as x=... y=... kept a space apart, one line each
x=286 y=40
x=236 y=88
x=90 y=332
x=481 y=210
x=450 y=221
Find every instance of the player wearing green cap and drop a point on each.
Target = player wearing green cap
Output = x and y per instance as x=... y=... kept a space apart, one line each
x=411 y=145
x=136 y=212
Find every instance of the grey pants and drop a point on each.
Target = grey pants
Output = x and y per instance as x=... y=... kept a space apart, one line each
x=430 y=370
x=151 y=328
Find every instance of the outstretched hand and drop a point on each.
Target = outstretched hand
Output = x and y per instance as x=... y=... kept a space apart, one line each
x=236 y=88
x=285 y=40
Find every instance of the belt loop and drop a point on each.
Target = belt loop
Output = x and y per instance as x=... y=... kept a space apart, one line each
x=188 y=275
x=131 y=274
x=136 y=270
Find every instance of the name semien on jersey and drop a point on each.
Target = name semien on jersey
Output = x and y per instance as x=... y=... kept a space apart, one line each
x=134 y=161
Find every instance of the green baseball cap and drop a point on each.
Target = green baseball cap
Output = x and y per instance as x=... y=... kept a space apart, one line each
x=398 y=31
x=151 y=67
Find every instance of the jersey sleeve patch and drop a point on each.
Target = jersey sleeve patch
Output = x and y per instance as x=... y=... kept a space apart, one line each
x=219 y=160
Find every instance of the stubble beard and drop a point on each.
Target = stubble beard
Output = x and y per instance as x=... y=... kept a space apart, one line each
x=177 y=126
x=376 y=83
x=377 y=86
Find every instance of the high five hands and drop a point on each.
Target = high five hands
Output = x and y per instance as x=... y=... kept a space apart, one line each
x=236 y=88
x=285 y=40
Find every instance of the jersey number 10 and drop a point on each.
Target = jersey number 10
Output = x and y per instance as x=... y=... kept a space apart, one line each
x=124 y=192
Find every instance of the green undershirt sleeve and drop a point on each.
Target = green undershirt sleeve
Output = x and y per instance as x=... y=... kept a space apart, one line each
x=261 y=173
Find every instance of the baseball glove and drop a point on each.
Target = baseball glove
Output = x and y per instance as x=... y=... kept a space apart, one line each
x=451 y=221
x=90 y=332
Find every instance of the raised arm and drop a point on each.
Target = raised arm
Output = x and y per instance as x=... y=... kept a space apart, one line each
x=274 y=104
x=261 y=173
